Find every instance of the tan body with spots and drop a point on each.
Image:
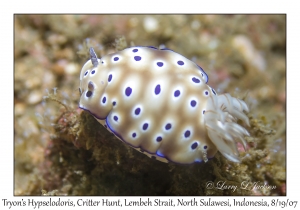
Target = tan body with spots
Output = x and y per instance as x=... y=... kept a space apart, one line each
x=148 y=79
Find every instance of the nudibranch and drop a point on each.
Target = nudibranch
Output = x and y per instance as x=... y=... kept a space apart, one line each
x=159 y=102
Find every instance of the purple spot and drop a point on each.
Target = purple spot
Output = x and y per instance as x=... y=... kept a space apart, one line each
x=137 y=111
x=213 y=91
x=105 y=126
x=93 y=72
x=160 y=64
x=114 y=103
x=158 y=139
x=128 y=91
x=187 y=134
x=159 y=153
x=145 y=126
x=109 y=78
x=135 y=50
x=193 y=103
x=177 y=93
x=167 y=49
x=180 y=63
x=168 y=126
x=157 y=89
x=205 y=147
x=206 y=92
x=104 y=100
x=116 y=58
x=196 y=80
x=86 y=73
x=200 y=68
x=89 y=93
x=194 y=146
x=152 y=47
x=203 y=111
x=134 y=135
x=137 y=58
x=116 y=118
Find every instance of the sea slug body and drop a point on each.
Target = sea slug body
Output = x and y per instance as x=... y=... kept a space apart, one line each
x=159 y=102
